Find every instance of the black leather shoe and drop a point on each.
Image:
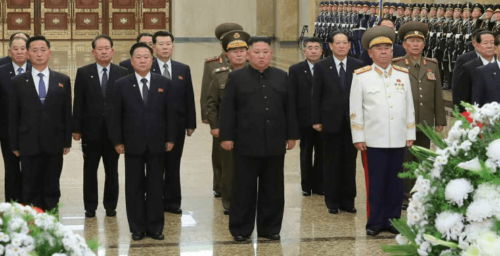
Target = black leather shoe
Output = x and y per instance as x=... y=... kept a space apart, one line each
x=333 y=211
x=217 y=194
x=392 y=230
x=272 y=236
x=349 y=209
x=372 y=232
x=174 y=211
x=157 y=236
x=226 y=212
x=137 y=236
x=89 y=214
x=305 y=193
x=240 y=238
x=111 y=213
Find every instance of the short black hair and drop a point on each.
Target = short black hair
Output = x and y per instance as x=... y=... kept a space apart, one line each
x=386 y=19
x=313 y=40
x=162 y=33
x=102 y=36
x=143 y=35
x=476 y=32
x=480 y=34
x=16 y=38
x=37 y=38
x=17 y=33
x=339 y=32
x=257 y=39
x=140 y=45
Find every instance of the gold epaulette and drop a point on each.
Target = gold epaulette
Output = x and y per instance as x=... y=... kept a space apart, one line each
x=397 y=59
x=221 y=69
x=212 y=59
x=362 y=70
x=431 y=60
x=396 y=67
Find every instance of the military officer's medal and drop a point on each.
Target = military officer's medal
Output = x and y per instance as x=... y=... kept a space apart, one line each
x=430 y=75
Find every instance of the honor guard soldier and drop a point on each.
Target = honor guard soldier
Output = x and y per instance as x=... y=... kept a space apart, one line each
x=468 y=25
x=399 y=19
x=477 y=13
x=455 y=36
x=392 y=9
x=319 y=20
x=423 y=13
x=415 y=16
x=334 y=18
x=386 y=7
x=496 y=28
x=407 y=16
x=363 y=22
x=425 y=86
x=382 y=125
x=210 y=65
x=440 y=39
x=433 y=12
x=373 y=20
x=235 y=43
x=486 y=18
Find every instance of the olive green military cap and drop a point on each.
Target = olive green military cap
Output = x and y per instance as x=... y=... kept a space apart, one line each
x=235 y=39
x=413 y=29
x=226 y=27
x=378 y=35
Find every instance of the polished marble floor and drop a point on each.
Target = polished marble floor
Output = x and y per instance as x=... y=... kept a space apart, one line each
x=202 y=229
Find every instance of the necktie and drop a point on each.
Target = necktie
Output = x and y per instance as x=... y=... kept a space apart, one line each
x=41 y=89
x=312 y=71
x=19 y=71
x=145 y=90
x=104 y=82
x=342 y=76
x=165 y=71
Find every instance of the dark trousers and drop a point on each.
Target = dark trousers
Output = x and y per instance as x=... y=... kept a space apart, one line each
x=92 y=153
x=143 y=194
x=422 y=141
x=385 y=188
x=172 y=183
x=13 y=175
x=41 y=175
x=217 y=164
x=311 y=173
x=227 y=176
x=258 y=188
x=339 y=169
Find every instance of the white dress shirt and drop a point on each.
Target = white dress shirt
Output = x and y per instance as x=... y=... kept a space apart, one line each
x=101 y=73
x=36 y=78
x=16 y=67
x=169 y=63
x=311 y=67
x=337 y=64
x=498 y=62
x=139 y=78
x=486 y=62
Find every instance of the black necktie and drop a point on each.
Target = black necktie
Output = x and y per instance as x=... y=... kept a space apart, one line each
x=145 y=90
x=342 y=76
x=104 y=82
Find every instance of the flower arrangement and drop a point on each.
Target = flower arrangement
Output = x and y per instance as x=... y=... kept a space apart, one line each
x=455 y=206
x=26 y=230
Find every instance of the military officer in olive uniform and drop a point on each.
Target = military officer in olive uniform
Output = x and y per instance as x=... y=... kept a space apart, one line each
x=425 y=85
x=496 y=27
x=210 y=65
x=235 y=43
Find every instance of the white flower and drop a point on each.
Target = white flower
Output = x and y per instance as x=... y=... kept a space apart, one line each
x=449 y=224
x=4 y=238
x=446 y=252
x=488 y=243
x=45 y=221
x=493 y=150
x=5 y=207
x=436 y=171
x=471 y=251
x=465 y=146
x=442 y=159
x=479 y=210
x=472 y=135
x=422 y=185
x=473 y=230
x=472 y=165
x=424 y=249
x=458 y=190
x=491 y=165
x=2 y=249
x=59 y=254
x=401 y=239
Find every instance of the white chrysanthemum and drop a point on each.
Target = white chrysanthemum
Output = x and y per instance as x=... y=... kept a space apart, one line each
x=447 y=223
x=465 y=146
x=488 y=243
x=436 y=171
x=491 y=165
x=487 y=191
x=422 y=185
x=493 y=150
x=472 y=135
x=471 y=251
x=59 y=254
x=458 y=190
x=473 y=230
x=45 y=221
x=472 y=165
x=479 y=210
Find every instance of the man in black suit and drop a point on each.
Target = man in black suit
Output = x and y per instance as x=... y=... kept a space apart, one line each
x=94 y=88
x=487 y=83
x=146 y=38
x=40 y=125
x=398 y=50
x=259 y=121
x=330 y=115
x=143 y=127
x=183 y=99
x=8 y=59
x=18 y=65
x=485 y=42
x=300 y=77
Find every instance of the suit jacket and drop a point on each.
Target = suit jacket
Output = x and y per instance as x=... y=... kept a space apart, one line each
x=182 y=91
x=7 y=72
x=300 y=79
x=457 y=70
x=258 y=112
x=486 y=88
x=140 y=126
x=399 y=51
x=126 y=64
x=35 y=128
x=90 y=108
x=5 y=60
x=330 y=104
x=466 y=80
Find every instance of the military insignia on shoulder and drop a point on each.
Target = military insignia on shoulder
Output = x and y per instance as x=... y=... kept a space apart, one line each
x=211 y=59
x=221 y=69
x=397 y=59
x=396 y=67
x=431 y=60
x=363 y=69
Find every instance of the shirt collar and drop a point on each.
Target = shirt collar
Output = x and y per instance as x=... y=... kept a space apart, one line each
x=35 y=72
x=266 y=72
x=337 y=61
x=100 y=68
x=413 y=62
x=498 y=62
x=139 y=78
x=310 y=65
x=160 y=63
x=380 y=70
x=16 y=67
x=485 y=62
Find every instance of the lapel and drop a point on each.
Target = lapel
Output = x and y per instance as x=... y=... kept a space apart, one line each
x=30 y=87
x=335 y=73
x=348 y=73
x=423 y=69
x=495 y=72
x=12 y=72
x=94 y=76
x=135 y=89
x=53 y=84
x=155 y=68
x=153 y=91
x=307 y=72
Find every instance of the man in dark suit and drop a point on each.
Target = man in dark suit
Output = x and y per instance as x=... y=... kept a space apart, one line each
x=94 y=88
x=300 y=77
x=487 y=82
x=18 y=65
x=398 y=50
x=485 y=42
x=8 y=59
x=143 y=127
x=146 y=38
x=40 y=125
x=330 y=115
x=183 y=99
x=258 y=120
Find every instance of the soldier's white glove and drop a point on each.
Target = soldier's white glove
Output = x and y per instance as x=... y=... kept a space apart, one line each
x=368 y=12
x=483 y=16
x=494 y=18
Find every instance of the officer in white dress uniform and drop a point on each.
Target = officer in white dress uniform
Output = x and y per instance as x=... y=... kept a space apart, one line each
x=382 y=125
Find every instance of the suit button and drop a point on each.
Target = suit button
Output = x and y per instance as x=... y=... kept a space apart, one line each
x=421 y=96
x=267 y=108
x=419 y=81
x=421 y=104
x=263 y=85
x=420 y=88
x=268 y=121
x=265 y=97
